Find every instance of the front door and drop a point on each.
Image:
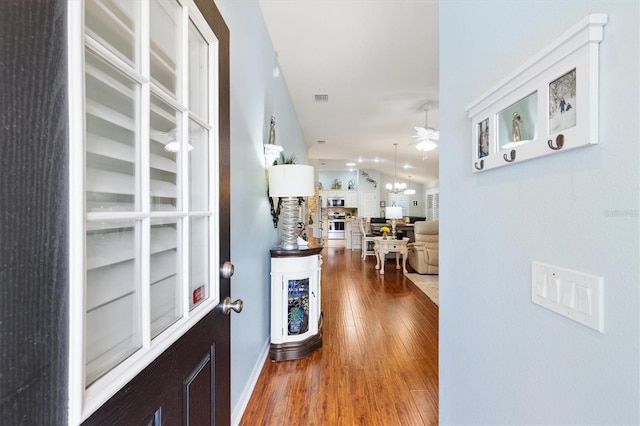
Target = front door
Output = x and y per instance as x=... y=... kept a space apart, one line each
x=183 y=238
x=47 y=374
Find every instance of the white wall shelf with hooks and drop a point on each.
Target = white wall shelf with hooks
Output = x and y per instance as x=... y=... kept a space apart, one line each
x=547 y=105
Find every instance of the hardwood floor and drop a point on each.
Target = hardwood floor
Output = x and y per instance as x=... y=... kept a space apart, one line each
x=379 y=360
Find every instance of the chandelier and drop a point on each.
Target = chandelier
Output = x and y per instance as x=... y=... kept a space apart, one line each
x=397 y=187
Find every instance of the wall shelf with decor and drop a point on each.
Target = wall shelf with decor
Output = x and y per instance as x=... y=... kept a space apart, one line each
x=547 y=105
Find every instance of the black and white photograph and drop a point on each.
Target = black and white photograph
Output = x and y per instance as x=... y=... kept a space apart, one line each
x=562 y=102
x=483 y=138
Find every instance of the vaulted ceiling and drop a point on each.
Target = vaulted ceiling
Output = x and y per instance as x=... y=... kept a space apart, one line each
x=377 y=62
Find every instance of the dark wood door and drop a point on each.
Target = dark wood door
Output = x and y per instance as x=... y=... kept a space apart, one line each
x=190 y=382
x=33 y=213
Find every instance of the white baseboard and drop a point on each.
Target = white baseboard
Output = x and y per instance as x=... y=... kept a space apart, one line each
x=238 y=410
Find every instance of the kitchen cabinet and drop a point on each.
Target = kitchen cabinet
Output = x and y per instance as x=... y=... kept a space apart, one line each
x=351 y=199
x=331 y=193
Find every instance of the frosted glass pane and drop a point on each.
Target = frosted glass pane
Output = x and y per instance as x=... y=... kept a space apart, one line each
x=113 y=24
x=198 y=167
x=111 y=120
x=198 y=73
x=110 y=338
x=165 y=285
x=164 y=146
x=199 y=260
x=112 y=297
x=164 y=42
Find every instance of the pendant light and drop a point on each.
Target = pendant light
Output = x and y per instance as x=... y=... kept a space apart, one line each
x=409 y=191
x=397 y=187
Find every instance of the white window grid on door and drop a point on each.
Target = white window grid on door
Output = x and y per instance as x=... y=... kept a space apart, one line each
x=149 y=226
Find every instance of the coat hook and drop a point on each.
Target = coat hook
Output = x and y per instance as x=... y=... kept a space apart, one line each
x=559 y=142
x=481 y=165
x=512 y=156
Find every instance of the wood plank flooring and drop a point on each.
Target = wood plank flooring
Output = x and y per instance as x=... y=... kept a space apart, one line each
x=379 y=361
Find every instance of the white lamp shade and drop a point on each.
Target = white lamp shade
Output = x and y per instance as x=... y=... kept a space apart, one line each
x=393 y=212
x=291 y=180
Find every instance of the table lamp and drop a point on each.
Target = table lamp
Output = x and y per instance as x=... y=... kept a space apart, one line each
x=290 y=181
x=393 y=213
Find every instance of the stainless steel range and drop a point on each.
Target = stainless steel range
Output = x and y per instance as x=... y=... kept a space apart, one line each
x=336 y=226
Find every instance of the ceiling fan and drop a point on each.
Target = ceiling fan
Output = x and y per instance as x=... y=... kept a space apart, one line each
x=426 y=138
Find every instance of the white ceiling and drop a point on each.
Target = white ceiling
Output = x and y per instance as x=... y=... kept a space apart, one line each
x=377 y=60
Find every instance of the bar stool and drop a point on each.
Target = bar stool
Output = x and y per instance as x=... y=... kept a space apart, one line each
x=367 y=239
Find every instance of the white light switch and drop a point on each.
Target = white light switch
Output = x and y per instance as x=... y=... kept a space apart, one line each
x=541 y=285
x=584 y=299
x=554 y=289
x=575 y=295
x=568 y=294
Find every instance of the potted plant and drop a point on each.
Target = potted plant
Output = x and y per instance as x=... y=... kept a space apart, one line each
x=384 y=230
x=287 y=159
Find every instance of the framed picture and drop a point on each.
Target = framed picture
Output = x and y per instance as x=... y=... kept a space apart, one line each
x=483 y=138
x=562 y=102
x=383 y=204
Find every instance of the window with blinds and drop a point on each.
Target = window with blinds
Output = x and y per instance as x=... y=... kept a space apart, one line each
x=149 y=142
x=433 y=205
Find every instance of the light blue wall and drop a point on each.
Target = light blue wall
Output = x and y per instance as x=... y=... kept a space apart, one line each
x=365 y=185
x=255 y=97
x=504 y=360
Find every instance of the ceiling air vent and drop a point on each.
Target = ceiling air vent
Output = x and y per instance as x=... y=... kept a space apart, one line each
x=321 y=98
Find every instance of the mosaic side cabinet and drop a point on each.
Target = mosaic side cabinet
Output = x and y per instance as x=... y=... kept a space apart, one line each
x=296 y=315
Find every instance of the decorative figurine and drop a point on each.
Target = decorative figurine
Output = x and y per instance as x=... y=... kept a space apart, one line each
x=515 y=130
x=272 y=131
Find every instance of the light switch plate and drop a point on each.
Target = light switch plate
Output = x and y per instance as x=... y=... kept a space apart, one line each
x=573 y=294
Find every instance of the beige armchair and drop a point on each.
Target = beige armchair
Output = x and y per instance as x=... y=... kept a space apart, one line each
x=423 y=254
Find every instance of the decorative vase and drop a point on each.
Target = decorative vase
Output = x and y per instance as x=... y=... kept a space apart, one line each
x=384 y=235
x=296 y=317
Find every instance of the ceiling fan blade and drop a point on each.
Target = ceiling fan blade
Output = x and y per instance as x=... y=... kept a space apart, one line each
x=427 y=133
